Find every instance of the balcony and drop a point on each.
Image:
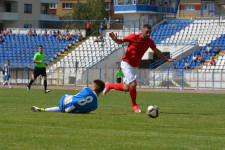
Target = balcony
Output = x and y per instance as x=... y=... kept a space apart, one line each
x=49 y=17
x=8 y=16
x=145 y=6
x=50 y=1
x=143 y=9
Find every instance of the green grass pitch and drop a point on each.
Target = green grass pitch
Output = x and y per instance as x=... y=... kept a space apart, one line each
x=187 y=121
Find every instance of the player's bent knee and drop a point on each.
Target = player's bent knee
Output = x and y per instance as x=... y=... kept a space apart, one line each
x=133 y=85
x=126 y=88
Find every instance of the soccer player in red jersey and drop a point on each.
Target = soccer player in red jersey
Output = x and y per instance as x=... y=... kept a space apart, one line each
x=138 y=45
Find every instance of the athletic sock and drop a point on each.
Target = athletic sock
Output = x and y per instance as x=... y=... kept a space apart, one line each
x=118 y=86
x=31 y=82
x=45 y=84
x=133 y=95
x=9 y=84
x=4 y=82
x=52 y=109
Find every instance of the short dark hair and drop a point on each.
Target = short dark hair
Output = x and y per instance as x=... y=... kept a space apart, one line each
x=147 y=26
x=100 y=85
x=40 y=46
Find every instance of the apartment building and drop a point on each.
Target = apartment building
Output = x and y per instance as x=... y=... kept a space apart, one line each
x=25 y=13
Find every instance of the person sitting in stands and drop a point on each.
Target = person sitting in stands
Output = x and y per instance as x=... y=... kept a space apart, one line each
x=30 y=33
x=46 y=33
x=217 y=50
x=10 y=32
x=100 y=38
x=50 y=34
x=35 y=33
x=208 y=49
x=194 y=58
x=213 y=62
x=1 y=39
x=78 y=33
x=74 y=34
x=5 y=32
x=186 y=66
x=58 y=32
x=68 y=37
x=173 y=66
x=54 y=33
x=202 y=59
x=59 y=37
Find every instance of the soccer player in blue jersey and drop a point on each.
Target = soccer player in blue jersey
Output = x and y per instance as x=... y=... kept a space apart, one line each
x=84 y=102
x=7 y=70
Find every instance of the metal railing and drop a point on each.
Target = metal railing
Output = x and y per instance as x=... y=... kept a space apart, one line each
x=211 y=79
x=172 y=55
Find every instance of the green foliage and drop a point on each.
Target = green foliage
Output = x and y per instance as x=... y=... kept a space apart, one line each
x=186 y=121
x=92 y=10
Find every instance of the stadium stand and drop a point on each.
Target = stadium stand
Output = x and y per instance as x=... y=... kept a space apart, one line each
x=20 y=48
x=168 y=32
x=182 y=32
x=88 y=53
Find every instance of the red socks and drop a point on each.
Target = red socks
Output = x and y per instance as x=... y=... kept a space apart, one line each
x=133 y=95
x=118 y=86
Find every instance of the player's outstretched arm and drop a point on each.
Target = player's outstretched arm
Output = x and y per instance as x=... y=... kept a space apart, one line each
x=114 y=38
x=161 y=55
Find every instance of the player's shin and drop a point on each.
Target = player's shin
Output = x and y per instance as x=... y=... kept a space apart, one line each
x=9 y=85
x=45 y=84
x=31 y=82
x=133 y=95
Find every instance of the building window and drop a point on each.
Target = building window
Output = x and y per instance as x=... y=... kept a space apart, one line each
x=53 y=6
x=45 y=9
x=28 y=8
x=120 y=2
x=27 y=25
x=67 y=5
x=208 y=6
x=107 y=8
x=189 y=7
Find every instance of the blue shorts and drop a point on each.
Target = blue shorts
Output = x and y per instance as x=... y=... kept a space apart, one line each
x=100 y=30
x=7 y=77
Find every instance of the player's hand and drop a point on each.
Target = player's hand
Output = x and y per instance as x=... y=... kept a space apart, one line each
x=113 y=36
x=171 y=60
x=41 y=61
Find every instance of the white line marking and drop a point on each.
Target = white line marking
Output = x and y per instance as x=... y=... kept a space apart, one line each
x=116 y=131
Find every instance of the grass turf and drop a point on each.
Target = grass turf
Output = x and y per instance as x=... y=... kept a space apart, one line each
x=186 y=121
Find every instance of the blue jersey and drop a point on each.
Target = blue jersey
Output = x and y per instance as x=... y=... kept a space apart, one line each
x=7 y=70
x=84 y=101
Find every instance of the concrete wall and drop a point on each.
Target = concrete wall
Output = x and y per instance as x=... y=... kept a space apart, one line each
x=113 y=60
x=36 y=8
x=62 y=12
x=190 y=2
x=184 y=54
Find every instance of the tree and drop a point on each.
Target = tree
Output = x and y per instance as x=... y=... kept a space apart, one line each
x=92 y=10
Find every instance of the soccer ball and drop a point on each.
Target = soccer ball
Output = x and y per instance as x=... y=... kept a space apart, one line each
x=153 y=111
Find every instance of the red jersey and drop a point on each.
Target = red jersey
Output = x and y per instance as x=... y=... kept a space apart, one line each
x=213 y=61
x=88 y=25
x=136 y=48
